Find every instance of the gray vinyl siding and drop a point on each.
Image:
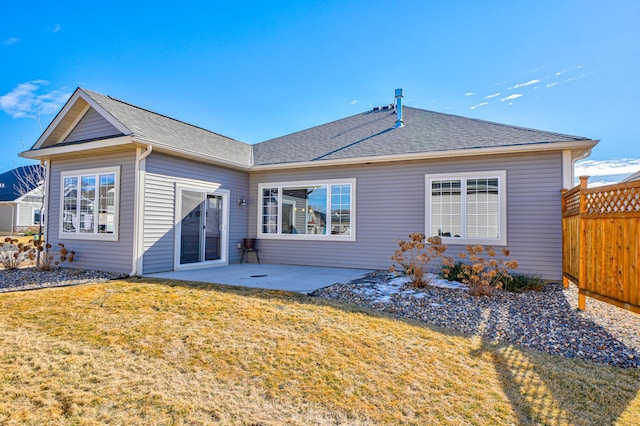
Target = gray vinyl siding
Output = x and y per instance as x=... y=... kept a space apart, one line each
x=162 y=173
x=26 y=214
x=390 y=203
x=91 y=126
x=6 y=214
x=112 y=256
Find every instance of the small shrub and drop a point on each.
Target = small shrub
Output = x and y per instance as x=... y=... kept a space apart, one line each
x=454 y=272
x=49 y=259
x=522 y=282
x=416 y=257
x=14 y=254
x=484 y=273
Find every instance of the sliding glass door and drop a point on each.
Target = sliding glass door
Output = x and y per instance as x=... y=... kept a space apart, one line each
x=201 y=227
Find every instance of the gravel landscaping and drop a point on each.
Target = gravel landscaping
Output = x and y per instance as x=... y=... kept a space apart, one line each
x=546 y=320
x=30 y=278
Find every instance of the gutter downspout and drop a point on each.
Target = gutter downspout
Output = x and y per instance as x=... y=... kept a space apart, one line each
x=138 y=209
x=584 y=155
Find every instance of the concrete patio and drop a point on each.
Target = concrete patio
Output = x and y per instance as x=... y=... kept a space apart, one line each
x=301 y=279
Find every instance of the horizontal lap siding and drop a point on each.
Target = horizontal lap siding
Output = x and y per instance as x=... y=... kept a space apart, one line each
x=26 y=214
x=112 y=256
x=162 y=173
x=91 y=126
x=390 y=203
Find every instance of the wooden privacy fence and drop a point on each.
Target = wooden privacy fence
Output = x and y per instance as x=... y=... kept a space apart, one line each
x=601 y=244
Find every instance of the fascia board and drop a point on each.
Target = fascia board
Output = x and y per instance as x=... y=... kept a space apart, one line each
x=583 y=145
x=36 y=154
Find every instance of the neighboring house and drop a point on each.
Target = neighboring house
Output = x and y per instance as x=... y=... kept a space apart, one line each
x=20 y=200
x=633 y=177
x=137 y=192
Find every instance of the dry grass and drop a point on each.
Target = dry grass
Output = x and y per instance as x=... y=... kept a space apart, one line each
x=160 y=352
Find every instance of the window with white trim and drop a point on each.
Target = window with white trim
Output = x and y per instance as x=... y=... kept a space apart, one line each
x=467 y=208
x=89 y=204
x=307 y=210
x=37 y=216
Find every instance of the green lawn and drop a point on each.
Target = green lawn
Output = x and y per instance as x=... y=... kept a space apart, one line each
x=166 y=352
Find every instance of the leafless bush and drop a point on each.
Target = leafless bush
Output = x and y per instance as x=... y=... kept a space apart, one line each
x=417 y=257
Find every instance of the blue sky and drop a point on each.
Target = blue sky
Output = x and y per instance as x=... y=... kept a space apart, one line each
x=257 y=70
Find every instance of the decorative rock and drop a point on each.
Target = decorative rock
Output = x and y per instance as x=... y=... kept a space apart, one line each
x=30 y=278
x=544 y=320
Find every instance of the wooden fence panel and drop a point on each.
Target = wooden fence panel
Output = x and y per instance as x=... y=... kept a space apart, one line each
x=601 y=245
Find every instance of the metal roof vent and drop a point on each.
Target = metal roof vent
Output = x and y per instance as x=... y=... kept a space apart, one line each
x=399 y=96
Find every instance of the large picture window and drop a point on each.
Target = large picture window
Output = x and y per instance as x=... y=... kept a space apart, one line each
x=467 y=208
x=89 y=204
x=307 y=210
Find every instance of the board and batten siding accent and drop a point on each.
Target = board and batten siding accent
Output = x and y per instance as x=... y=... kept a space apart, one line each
x=112 y=256
x=91 y=126
x=390 y=200
x=162 y=173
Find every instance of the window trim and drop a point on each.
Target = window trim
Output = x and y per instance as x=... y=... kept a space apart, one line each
x=116 y=215
x=501 y=175
x=306 y=183
x=33 y=215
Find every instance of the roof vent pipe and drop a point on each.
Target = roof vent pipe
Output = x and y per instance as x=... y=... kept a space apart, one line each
x=399 y=121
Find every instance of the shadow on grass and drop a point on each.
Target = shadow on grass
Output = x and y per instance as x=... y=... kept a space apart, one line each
x=542 y=388
x=552 y=389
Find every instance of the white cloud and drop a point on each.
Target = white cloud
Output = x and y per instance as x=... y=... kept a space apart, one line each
x=10 y=41
x=28 y=99
x=549 y=85
x=624 y=166
x=528 y=83
x=469 y=94
x=56 y=28
x=493 y=95
x=354 y=101
x=479 y=105
x=510 y=97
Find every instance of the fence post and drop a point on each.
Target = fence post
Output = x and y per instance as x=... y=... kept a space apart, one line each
x=582 y=270
x=565 y=280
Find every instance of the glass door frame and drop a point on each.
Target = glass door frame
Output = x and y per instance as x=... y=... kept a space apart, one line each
x=204 y=190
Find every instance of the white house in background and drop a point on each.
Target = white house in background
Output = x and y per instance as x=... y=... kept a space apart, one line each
x=135 y=192
x=635 y=176
x=19 y=211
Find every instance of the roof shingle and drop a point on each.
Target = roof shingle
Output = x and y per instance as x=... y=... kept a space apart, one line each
x=373 y=133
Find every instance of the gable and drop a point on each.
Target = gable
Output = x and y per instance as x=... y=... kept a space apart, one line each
x=91 y=126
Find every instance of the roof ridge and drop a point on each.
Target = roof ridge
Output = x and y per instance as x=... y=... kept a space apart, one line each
x=511 y=126
x=163 y=116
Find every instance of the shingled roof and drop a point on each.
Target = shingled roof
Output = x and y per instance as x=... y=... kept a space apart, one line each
x=9 y=181
x=373 y=133
x=172 y=133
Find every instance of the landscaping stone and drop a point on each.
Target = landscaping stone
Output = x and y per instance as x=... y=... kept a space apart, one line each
x=546 y=320
x=30 y=278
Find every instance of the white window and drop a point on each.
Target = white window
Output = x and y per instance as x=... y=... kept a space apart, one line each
x=307 y=210
x=467 y=208
x=37 y=217
x=89 y=204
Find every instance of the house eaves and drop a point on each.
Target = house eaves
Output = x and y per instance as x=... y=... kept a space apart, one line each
x=578 y=148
